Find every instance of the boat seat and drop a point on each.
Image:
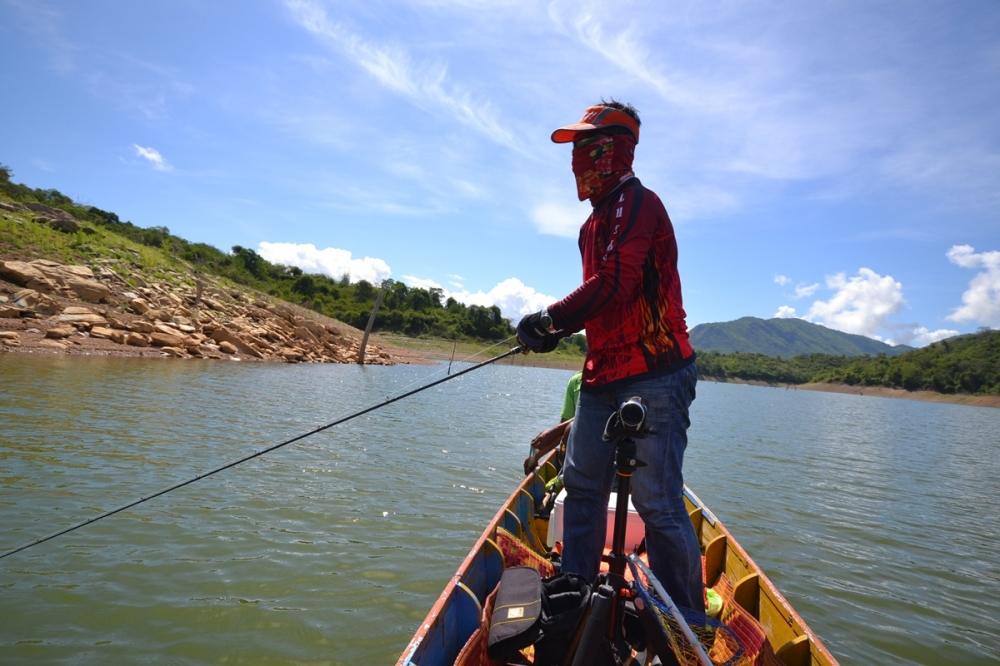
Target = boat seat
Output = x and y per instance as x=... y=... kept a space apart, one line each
x=795 y=652
x=457 y=621
x=715 y=559
x=536 y=488
x=547 y=471
x=510 y=522
x=484 y=571
x=523 y=506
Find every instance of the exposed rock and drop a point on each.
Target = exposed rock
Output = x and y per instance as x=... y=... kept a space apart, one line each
x=116 y=322
x=290 y=354
x=38 y=302
x=48 y=211
x=46 y=264
x=24 y=274
x=60 y=332
x=91 y=291
x=240 y=324
x=138 y=306
x=136 y=340
x=304 y=334
x=9 y=336
x=75 y=314
x=172 y=351
x=167 y=328
x=51 y=344
x=67 y=226
x=161 y=339
x=221 y=335
x=12 y=312
x=79 y=271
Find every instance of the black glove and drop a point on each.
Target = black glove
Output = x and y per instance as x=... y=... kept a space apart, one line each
x=533 y=333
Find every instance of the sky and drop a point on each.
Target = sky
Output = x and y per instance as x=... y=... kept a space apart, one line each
x=833 y=161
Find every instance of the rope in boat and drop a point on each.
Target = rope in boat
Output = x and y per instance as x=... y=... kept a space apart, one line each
x=366 y=410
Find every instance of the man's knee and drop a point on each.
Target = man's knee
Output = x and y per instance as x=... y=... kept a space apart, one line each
x=662 y=513
x=579 y=482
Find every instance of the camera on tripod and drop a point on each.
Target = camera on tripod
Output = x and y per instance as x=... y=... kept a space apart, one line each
x=629 y=419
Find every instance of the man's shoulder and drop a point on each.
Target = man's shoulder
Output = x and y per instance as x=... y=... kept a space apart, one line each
x=635 y=193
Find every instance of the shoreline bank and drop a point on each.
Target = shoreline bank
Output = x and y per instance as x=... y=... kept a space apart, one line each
x=389 y=345
x=876 y=391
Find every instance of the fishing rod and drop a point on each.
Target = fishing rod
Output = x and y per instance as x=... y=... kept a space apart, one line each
x=366 y=410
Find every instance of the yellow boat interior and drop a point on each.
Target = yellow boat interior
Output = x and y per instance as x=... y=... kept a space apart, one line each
x=454 y=632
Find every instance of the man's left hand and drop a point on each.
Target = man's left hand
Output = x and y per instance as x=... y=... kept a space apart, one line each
x=532 y=334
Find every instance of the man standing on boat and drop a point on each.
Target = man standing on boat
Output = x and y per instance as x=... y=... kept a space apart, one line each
x=637 y=345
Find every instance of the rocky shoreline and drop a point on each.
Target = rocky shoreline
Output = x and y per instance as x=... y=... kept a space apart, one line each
x=48 y=307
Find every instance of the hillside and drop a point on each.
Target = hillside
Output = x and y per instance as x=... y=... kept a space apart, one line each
x=785 y=338
x=148 y=268
x=962 y=364
x=88 y=233
x=69 y=285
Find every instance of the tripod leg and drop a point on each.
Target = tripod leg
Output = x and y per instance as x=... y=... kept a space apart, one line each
x=593 y=648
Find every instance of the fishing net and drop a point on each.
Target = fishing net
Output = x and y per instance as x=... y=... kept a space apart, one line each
x=756 y=648
x=694 y=638
x=517 y=553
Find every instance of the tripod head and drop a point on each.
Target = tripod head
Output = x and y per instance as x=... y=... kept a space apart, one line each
x=628 y=420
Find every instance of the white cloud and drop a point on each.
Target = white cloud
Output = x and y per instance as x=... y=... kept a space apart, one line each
x=921 y=336
x=393 y=68
x=153 y=156
x=330 y=261
x=781 y=280
x=861 y=304
x=559 y=219
x=785 y=312
x=421 y=283
x=514 y=298
x=804 y=290
x=981 y=301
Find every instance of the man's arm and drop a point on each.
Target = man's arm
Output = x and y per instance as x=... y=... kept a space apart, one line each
x=544 y=442
x=619 y=274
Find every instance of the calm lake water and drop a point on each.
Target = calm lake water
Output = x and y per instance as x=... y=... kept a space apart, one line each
x=878 y=519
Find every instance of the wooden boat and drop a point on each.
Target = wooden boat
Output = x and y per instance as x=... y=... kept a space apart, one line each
x=751 y=603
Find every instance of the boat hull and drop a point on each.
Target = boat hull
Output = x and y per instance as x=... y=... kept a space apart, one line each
x=751 y=600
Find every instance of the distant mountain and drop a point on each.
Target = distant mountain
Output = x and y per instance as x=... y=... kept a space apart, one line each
x=785 y=338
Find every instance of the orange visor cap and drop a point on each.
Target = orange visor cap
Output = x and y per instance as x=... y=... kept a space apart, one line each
x=597 y=117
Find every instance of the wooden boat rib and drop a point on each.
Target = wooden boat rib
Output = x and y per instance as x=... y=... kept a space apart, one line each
x=752 y=604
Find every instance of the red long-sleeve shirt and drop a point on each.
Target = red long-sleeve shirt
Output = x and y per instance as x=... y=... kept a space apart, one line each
x=630 y=300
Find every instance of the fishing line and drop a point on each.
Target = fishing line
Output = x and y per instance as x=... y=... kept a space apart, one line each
x=366 y=410
x=467 y=359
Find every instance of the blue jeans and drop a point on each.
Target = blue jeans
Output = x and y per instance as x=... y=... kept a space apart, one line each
x=657 y=488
